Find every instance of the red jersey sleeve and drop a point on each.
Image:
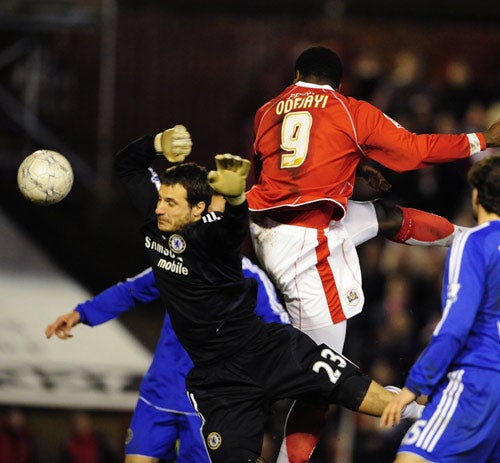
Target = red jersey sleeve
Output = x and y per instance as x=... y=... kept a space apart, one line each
x=387 y=142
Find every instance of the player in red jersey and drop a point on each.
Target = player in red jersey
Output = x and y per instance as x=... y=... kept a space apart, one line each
x=309 y=141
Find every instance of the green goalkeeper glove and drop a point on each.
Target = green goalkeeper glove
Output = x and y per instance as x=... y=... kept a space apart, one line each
x=174 y=143
x=229 y=179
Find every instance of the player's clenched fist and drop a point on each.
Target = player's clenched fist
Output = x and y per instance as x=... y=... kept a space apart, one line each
x=174 y=143
x=230 y=177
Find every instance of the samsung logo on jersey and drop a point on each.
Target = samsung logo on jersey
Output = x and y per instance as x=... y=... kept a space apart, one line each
x=172 y=266
x=158 y=247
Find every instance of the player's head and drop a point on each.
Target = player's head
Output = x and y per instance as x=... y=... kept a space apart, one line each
x=319 y=65
x=183 y=196
x=484 y=176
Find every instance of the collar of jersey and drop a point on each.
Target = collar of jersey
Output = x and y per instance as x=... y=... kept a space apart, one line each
x=301 y=83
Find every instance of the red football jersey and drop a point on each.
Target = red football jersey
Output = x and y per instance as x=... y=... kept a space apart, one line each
x=310 y=139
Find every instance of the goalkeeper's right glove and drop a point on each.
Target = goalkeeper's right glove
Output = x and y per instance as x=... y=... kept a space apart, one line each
x=174 y=143
x=229 y=179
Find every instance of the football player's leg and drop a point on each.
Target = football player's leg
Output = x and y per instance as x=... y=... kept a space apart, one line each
x=305 y=422
x=413 y=226
x=410 y=458
x=303 y=428
x=192 y=448
x=152 y=435
x=234 y=434
x=232 y=415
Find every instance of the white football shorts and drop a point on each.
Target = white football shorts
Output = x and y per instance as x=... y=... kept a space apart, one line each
x=316 y=270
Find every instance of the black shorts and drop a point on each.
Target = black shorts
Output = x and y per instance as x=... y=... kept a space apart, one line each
x=234 y=397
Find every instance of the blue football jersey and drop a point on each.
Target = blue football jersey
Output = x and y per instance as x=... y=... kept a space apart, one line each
x=469 y=331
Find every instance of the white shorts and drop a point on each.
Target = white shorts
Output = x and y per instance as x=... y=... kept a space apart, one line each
x=360 y=221
x=317 y=271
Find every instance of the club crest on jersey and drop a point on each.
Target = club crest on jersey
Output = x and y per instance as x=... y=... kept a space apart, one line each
x=129 y=436
x=214 y=440
x=352 y=296
x=177 y=244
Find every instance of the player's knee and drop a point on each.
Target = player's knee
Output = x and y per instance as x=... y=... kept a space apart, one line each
x=353 y=390
x=389 y=217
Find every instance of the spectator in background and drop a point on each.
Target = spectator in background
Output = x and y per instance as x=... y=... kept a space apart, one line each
x=366 y=72
x=458 y=90
x=403 y=93
x=16 y=438
x=85 y=444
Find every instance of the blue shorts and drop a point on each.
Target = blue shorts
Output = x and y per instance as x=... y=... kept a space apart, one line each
x=155 y=433
x=461 y=422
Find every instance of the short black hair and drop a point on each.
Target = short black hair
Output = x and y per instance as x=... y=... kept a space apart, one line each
x=484 y=176
x=320 y=62
x=193 y=178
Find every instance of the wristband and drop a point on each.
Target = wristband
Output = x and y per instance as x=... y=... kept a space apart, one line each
x=158 y=147
x=236 y=200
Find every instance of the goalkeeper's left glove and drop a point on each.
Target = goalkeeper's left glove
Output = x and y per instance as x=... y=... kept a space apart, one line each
x=174 y=143
x=229 y=179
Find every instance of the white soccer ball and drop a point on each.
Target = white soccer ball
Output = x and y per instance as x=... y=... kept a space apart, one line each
x=45 y=177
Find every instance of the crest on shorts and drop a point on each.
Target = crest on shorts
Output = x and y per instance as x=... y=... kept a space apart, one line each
x=352 y=296
x=129 y=436
x=177 y=244
x=214 y=440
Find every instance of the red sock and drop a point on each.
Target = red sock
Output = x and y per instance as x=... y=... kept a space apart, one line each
x=424 y=229
x=303 y=430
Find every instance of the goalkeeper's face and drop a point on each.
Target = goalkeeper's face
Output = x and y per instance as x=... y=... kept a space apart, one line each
x=173 y=210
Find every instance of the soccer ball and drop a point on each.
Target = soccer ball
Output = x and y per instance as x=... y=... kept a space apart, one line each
x=45 y=177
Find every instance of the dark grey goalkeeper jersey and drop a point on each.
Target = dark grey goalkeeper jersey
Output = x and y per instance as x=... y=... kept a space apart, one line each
x=198 y=269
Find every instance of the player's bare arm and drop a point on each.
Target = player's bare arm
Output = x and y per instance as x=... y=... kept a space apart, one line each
x=392 y=411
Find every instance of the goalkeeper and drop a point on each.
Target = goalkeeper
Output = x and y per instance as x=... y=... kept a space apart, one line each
x=195 y=258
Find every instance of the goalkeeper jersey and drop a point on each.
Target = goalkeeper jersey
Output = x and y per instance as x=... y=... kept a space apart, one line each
x=197 y=269
x=163 y=385
x=310 y=138
x=468 y=334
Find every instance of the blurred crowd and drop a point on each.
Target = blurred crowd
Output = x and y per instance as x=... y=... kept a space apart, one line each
x=450 y=100
x=82 y=441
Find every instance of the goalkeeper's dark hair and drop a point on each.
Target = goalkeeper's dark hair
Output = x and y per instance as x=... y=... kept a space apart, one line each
x=485 y=177
x=193 y=178
x=320 y=62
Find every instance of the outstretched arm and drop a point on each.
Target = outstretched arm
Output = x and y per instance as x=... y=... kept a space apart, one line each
x=107 y=305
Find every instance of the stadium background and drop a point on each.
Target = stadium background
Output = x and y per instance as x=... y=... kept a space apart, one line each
x=87 y=77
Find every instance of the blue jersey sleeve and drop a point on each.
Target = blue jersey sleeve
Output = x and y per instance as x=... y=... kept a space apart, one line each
x=118 y=298
x=464 y=280
x=269 y=308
